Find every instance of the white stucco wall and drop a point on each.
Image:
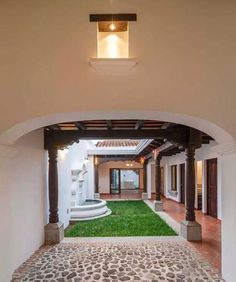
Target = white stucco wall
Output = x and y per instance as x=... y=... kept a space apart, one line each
x=73 y=158
x=228 y=217
x=22 y=201
x=191 y=43
x=104 y=174
x=91 y=178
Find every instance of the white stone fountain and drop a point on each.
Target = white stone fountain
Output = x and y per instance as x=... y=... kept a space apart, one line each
x=82 y=208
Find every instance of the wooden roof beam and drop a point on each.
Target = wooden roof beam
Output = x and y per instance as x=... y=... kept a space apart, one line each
x=139 y=124
x=165 y=125
x=54 y=127
x=109 y=124
x=108 y=134
x=80 y=125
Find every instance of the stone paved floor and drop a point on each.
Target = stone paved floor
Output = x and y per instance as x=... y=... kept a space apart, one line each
x=209 y=247
x=170 y=260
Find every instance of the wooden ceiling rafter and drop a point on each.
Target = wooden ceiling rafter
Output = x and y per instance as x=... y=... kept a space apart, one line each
x=80 y=125
x=109 y=124
x=165 y=125
x=159 y=131
x=139 y=124
x=116 y=124
x=54 y=127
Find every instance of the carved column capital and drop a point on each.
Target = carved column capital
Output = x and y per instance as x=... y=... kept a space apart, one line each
x=190 y=153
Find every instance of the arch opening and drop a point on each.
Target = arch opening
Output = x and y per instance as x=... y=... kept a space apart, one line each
x=220 y=135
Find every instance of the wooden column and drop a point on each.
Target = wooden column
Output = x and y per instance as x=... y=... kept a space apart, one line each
x=158 y=177
x=53 y=185
x=190 y=183
x=145 y=176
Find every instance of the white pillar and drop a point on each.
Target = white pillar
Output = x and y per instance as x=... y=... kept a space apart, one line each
x=228 y=164
x=149 y=181
x=219 y=187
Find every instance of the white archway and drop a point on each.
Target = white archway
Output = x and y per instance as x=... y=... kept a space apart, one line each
x=9 y=136
x=222 y=137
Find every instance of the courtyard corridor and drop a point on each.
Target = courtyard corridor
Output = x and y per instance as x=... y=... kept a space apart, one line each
x=113 y=259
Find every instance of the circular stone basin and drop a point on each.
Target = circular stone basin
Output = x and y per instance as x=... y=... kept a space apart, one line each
x=90 y=209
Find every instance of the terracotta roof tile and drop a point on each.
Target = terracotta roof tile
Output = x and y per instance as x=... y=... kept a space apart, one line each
x=118 y=143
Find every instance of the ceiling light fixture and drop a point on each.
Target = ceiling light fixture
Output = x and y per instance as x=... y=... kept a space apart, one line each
x=112 y=27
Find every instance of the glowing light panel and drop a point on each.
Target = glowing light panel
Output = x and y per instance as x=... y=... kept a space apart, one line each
x=113 y=44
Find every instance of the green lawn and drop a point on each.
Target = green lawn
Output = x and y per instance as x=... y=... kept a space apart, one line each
x=128 y=218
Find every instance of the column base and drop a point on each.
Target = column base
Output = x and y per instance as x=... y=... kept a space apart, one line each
x=144 y=196
x=96 y=195
x=191 y=230
x=158 y=205
x=54 y=233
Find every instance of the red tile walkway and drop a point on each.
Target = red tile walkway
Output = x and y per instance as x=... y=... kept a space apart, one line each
x=209 y=247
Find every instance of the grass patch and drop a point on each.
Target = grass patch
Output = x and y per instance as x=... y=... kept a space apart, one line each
x=128 y=218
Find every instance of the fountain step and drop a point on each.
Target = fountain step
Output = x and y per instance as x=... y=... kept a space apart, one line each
x=76 y=219
x=89 y=204
x=90 y=209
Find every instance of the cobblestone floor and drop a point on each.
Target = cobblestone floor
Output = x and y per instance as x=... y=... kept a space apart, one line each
x=173 y=261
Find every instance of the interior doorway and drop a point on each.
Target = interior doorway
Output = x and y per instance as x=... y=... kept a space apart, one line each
x=115 y=181
x=212 y=187
x=124 y=180
x=199 y=184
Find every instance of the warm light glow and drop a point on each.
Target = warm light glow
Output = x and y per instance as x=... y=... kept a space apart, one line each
x=142 y=160
x=155 y=154
x=112 y=27
x=199 y=173
x=113 y=44
x=63 y=153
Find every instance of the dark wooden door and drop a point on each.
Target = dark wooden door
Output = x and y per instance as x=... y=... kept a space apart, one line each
x=115 y=181
x=212 y=187
x=182 y=183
